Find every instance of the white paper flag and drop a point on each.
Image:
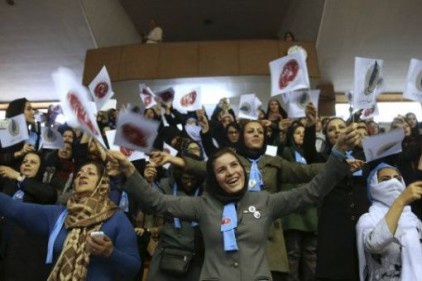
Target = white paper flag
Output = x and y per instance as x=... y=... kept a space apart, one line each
x=170 y=150
x=381 y=145
x=297 y=101
x=188 y=101
x=100 y=88
x=371 y=112
x=247 y=107
x=51 y=138
x=147 y=96
x=135 y=132
x=288 y=74
x=413 y=89
x=166 y=95
x=15 y=130
x=131 y=155
x=75 y=103
x=369 y=82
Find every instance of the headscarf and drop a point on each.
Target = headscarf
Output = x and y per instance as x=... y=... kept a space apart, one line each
x=290 y=136
x=246 y=152
x=16 y=107
x=85 y=214
x=383 y=195
x=229 y=219
x=212 y=186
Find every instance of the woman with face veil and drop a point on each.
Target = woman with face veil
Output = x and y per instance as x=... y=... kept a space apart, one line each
x=389 y=236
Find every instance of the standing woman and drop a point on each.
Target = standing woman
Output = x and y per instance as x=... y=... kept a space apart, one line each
x=12 y=155
x=77 y=255
x=300 y=227
x=263 y=172
x=390 y=235
x=20 y=248
x=176 y=234
x=235 y=249
x=338 y=214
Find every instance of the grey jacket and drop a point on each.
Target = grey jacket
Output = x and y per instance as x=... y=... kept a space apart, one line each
x=250 y=261
x=275 y=171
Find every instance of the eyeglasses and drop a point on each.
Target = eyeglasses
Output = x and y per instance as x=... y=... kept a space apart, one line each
x=232 y=132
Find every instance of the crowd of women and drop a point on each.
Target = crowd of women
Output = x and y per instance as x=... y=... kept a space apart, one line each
x=226 y=209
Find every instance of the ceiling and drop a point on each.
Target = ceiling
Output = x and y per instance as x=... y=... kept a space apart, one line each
x=37 y=36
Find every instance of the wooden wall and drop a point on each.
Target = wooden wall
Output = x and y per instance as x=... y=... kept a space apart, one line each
x=192 y=59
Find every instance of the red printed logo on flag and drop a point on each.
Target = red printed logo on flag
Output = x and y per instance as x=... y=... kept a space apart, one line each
x=188 y=99
x=134 y=135
x=101 y=90
x=288 y=73
x=80 y=112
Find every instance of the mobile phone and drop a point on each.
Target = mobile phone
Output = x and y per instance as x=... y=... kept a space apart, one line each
x=99 y=234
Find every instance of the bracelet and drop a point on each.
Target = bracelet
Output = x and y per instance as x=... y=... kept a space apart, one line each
x=336 y=153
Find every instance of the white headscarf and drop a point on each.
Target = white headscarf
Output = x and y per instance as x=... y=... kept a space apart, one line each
x=382 y=195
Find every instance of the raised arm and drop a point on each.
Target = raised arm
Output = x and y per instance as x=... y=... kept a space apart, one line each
x=33 y=217
x=151 y=200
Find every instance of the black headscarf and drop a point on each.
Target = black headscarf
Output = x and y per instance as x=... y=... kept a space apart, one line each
x=244 y=151
x=16 y=107
x=212 y=185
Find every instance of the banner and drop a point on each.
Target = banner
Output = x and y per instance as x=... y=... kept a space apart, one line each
x=288 y=74
x=100 y=88
x=369 y=82
x=413 y=89
x=13 y=130
x=75 y=103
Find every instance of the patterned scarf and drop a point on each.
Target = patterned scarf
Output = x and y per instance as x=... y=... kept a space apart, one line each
x=86 y=214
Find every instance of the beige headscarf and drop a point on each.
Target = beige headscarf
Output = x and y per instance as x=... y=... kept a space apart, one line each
x=85 y=214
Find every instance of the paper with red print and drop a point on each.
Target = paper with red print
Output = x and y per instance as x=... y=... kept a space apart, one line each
x=51 y=138
x=13 y=130
x=170 y=150
x=131 y=154
x=135 y=132
x=369 y=82
x=413 y=89
x=288 y=74
x=297 y=101
x=147 y=96
x=188 y=100
x=381 y=145
x=248 y=107
x=76 y=106
x=100 y=88
x=166 y=95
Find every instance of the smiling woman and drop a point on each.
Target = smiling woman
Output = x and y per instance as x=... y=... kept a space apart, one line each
x=88 y=209
x=235 y=223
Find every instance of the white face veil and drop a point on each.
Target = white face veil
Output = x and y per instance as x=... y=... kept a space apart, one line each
x=387 y=191
x=382 y=195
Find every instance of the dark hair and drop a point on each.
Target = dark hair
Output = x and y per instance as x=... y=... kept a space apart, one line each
x=212 y=185
x=281 y=110
x=243 y=150
x=328 y=145
x=290 y=136
x=38 y=176
x=16 y=107
x=287 y=33
x=98 y=165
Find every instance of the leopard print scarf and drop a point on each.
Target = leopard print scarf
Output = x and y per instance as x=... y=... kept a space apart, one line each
x=85 y=214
